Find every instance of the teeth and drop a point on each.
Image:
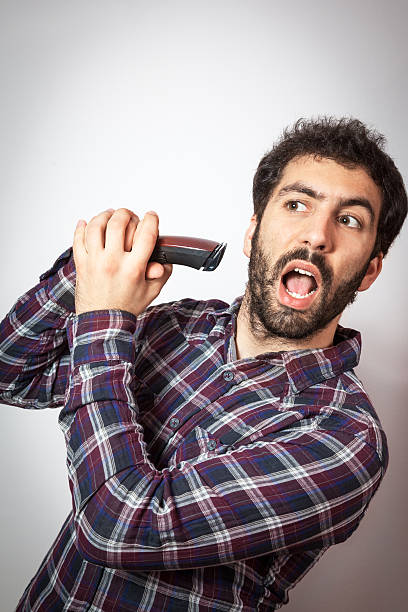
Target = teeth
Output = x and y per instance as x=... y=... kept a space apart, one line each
x=298 y=296
x=301 y=271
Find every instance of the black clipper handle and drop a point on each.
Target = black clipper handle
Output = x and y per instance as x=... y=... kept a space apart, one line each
x=188 y=251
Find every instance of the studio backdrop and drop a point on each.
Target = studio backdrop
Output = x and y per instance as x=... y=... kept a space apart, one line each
x=169 y=105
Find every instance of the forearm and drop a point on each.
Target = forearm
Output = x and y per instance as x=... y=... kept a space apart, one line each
x=34 y=354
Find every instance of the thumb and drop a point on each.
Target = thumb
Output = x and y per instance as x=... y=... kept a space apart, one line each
x=158 y=271
x=154 y=270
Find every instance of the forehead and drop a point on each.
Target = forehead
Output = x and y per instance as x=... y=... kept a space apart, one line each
x=331 y=179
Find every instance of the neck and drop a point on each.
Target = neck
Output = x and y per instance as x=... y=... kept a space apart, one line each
x=252 y=339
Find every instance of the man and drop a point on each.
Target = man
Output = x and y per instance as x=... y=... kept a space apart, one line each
x=215 y=452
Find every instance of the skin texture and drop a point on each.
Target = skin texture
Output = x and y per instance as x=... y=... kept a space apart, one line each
x=340 y=235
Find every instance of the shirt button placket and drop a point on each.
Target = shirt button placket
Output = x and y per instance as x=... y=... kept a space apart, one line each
x=228 y=376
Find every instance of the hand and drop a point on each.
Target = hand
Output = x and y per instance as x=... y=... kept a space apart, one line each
x=111 y=257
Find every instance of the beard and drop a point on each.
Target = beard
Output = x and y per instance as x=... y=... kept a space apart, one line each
x=269 y=318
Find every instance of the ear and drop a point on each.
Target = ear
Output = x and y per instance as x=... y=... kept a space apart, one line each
x=373 y=270
x=248 y=236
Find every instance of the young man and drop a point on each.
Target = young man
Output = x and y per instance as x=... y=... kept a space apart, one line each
x=215 y=452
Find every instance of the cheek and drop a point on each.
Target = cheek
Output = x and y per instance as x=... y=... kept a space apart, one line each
x=274 y=238
x=284 y=236
x=347 y=268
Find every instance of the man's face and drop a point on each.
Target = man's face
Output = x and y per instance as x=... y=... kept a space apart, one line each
x=311 y=251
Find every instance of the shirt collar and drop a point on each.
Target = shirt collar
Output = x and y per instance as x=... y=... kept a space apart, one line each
x=306 y=367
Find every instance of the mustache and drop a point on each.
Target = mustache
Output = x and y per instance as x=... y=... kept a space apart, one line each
x=304 y=254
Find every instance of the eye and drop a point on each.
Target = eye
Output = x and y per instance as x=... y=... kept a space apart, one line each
x=349 y=221
x=296 y=206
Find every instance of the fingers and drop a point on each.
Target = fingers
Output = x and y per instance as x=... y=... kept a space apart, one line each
x=110 y=229
x=130 y=232
x=145 y=238
x=120 y=230
x=95 y=231
x=116 y=230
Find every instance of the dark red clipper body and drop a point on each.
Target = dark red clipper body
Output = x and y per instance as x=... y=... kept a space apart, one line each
x=188 y=251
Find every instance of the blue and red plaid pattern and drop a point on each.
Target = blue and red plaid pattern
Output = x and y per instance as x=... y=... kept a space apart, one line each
x=199 y=481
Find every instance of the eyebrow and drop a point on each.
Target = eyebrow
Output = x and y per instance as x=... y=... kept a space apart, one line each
x=306 y=189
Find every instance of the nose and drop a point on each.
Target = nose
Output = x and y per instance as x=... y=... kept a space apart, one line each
x=317 y=233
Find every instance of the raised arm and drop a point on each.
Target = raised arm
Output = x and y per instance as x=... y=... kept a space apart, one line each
x=34 y=353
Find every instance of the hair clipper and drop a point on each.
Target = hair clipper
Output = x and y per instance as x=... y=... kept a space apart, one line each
x=197 y=253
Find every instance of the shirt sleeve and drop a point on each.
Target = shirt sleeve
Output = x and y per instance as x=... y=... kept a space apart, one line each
x=34 y=353
x=293 y=492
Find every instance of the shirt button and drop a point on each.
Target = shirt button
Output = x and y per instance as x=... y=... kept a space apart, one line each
x=228 y=376
x=211 y=444
x=174 y=422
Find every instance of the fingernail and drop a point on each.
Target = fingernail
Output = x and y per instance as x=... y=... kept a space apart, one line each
x=110 y=210
x=151 y=212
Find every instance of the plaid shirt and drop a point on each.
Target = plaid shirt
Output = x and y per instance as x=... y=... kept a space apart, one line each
x=199 y=481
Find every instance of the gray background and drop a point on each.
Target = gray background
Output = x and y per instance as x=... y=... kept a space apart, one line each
x=169 y=106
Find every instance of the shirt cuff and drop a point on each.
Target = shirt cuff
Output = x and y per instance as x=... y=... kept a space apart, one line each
x=101 y=336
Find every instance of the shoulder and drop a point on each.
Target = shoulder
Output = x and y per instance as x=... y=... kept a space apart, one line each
x=346 y=410
x=362 y=412
x=185 y=316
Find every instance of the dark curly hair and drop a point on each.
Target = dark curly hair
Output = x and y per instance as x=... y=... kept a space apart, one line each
x=350 y=143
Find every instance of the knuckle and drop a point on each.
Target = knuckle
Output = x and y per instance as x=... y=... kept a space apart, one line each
x=120 y=217
x=124 y=212
x=115 y=222
x=101 y=217
x=97 y=220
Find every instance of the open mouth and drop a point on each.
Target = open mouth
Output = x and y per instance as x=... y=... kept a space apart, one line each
x=299 y=285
